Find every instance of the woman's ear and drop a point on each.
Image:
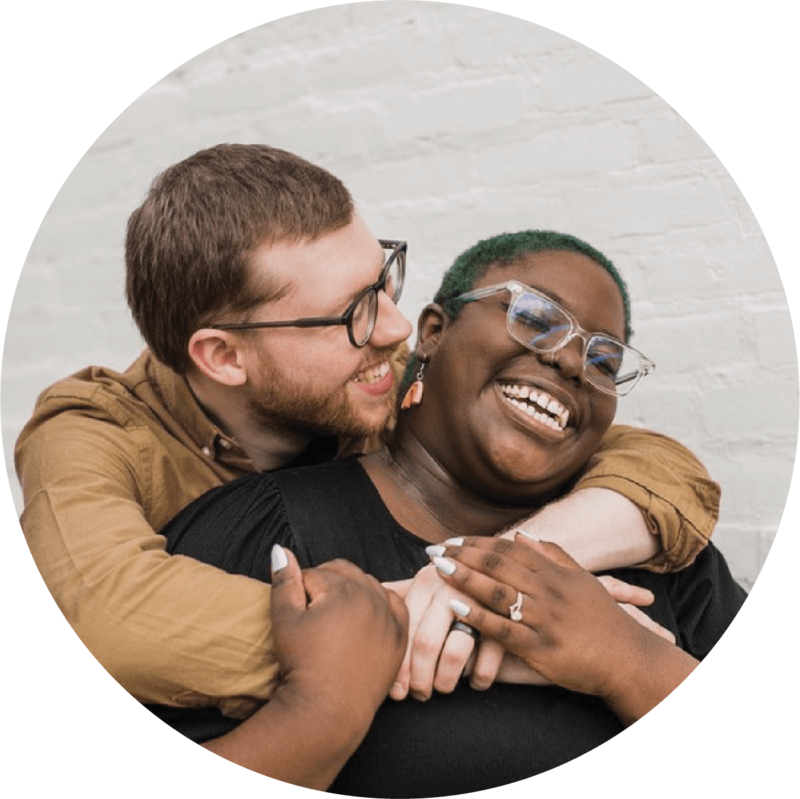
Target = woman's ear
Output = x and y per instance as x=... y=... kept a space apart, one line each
x=219 y=356
x=431 y=325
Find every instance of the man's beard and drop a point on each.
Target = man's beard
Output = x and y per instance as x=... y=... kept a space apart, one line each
x=303 y=412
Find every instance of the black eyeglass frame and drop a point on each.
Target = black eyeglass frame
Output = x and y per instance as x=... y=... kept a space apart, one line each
x=399 y=250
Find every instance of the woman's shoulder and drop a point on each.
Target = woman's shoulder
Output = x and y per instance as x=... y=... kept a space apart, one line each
x=233 y=526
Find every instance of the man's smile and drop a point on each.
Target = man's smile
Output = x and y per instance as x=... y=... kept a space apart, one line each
x=377 y=379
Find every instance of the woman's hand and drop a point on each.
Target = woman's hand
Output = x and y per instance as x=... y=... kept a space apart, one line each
x=437 y=657
x=561 y=621
x=339 y=634
x=339 y=637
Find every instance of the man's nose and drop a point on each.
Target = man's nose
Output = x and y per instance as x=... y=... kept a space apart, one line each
x=391 y=327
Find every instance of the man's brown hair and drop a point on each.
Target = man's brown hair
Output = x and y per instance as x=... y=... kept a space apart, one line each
x=188 y=245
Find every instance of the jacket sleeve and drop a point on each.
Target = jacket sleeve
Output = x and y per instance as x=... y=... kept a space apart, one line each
x=170 y=629
x=679 y=500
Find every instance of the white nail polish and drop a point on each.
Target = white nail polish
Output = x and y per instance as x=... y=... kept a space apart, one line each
x=454 y=542
x=435 y=550
x=459 y=608
x=278 y=559
x=444 y=565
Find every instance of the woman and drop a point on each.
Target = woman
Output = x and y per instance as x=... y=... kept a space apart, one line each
x=518 y=366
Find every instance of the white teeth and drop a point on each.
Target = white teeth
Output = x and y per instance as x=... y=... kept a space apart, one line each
x=374 y=374
x=533 y=403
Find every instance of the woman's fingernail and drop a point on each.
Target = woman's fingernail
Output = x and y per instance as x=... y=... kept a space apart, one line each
x=444 y=565
x=278 y=559
x=459 y=608
x=435 y=550
x=454 y=542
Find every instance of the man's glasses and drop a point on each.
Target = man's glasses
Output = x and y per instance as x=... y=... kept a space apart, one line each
x=541 y=325
x=362 y=313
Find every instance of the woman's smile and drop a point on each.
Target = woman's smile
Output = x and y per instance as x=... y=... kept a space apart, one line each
x=537 y=406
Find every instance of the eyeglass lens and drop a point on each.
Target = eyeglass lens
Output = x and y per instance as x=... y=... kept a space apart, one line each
x=541 y=325
x=365 y=313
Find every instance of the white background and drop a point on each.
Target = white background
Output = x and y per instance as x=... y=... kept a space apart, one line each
x=450 y=123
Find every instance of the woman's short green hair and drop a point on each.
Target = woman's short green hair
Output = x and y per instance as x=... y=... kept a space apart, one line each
x=507 y=249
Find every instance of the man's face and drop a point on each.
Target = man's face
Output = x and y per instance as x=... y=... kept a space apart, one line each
x=313 y=380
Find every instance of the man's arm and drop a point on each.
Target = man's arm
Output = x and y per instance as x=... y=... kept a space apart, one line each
x=170 y=629
x=677 y=499
x=600 y=528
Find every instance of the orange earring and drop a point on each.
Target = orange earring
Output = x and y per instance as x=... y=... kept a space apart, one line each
x=414 y=394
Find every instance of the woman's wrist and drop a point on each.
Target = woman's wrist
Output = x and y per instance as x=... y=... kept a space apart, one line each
x=653 y=669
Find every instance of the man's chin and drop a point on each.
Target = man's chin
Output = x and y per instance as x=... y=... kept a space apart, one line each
x=346 y=425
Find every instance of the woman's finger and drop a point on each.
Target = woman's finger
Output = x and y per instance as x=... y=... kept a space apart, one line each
x=288 y=592
x=504 y=557
x=496 y=594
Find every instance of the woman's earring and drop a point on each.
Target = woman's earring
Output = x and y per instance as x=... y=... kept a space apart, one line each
x=414 y=394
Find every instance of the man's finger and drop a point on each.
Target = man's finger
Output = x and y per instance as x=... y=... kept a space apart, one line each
x=625 y=592
x=487 y=664
x=455 y=654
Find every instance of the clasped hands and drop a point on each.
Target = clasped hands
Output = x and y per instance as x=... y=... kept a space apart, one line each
x=437 y=657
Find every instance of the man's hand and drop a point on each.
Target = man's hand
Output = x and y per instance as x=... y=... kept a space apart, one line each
x=435 y=657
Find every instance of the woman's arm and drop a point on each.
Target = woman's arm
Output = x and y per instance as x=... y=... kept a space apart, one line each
x=339 y=639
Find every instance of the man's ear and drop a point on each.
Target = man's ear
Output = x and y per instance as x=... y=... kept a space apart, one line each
x=432 y=323
x=218 y=355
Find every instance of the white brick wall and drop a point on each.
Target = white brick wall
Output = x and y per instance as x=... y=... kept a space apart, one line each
x=450 y=123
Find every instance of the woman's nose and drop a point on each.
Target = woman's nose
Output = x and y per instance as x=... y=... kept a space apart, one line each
x=568 y=360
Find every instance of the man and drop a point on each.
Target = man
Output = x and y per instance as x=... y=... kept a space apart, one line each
x=267 y=307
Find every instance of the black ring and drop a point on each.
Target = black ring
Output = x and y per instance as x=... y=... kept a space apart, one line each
x=463 y=627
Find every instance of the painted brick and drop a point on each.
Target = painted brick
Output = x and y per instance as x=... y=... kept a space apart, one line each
x=451 y=123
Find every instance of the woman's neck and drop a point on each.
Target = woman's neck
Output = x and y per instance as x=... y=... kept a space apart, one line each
x=425 y=499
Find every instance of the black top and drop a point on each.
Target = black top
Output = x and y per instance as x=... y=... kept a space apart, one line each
x=457 y=743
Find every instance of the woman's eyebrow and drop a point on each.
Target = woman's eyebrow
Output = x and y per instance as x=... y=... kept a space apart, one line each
x=553 y=295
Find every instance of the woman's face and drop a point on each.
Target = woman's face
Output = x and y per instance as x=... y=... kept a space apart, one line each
x=478 y=378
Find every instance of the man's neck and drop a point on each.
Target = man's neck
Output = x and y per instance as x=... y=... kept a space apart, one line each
x=267 y=447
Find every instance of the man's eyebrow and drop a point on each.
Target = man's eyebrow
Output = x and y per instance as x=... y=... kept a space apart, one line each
x=358 y=292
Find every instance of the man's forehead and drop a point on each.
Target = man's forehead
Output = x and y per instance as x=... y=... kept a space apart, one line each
x=332 y=268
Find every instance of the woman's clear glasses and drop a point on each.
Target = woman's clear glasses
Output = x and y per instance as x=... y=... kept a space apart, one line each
x=542 y=325
x=362 y=313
